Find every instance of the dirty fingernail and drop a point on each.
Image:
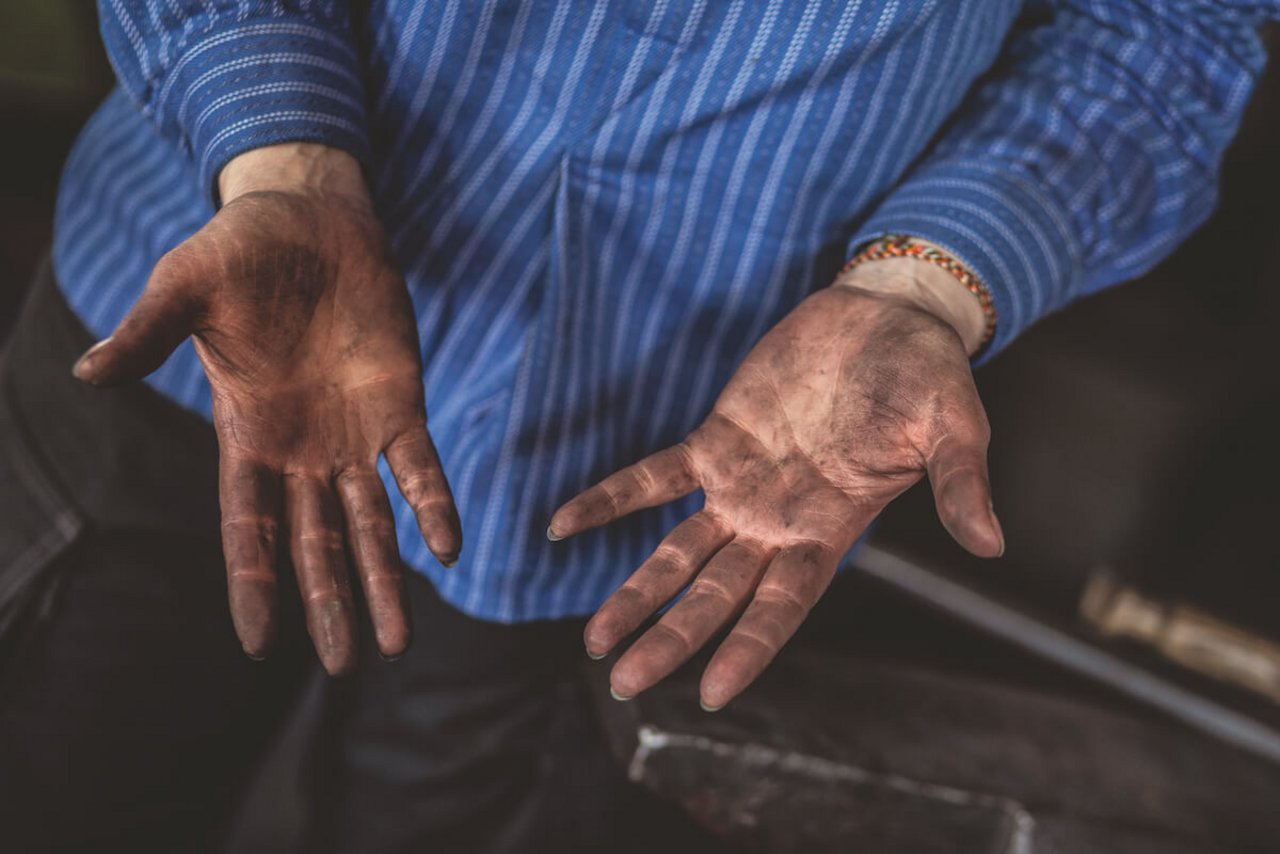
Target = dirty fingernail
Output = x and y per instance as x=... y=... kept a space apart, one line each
x=995 y=526
x=77 y=370
x=551 y=535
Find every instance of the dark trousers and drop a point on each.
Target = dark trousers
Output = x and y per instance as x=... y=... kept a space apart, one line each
x=130 y=719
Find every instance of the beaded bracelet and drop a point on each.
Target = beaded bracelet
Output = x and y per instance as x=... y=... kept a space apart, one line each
x=905 y=246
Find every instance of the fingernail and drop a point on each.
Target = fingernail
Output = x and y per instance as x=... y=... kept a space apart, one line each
x=995 y=526
x=77 y=370
x=591 y=655
x=707 y=708
x=254 y=652
x=613 y=693
x=390 y=658
x=449 y=564
x=552 y=536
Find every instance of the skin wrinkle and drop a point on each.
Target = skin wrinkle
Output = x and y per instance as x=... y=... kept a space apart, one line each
x=704 y=586
x=306 y=334
x=797 y=460
x=377 y=527
x=261 y=524
x=420 y=492
x=303 y=326
x=253 y=575
x=768 y=645
x=330 y=540
x=779 y=595
x=330 y=593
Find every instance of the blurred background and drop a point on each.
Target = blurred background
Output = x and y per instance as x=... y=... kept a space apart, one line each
x=1112 y=684
x=52 y=73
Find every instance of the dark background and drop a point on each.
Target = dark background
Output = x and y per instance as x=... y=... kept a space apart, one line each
x=52 y=73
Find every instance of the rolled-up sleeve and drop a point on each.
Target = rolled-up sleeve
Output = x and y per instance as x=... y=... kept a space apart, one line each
x=221 y=78
x=1088 y=152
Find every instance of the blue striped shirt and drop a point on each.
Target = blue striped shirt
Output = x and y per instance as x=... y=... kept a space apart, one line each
x=599 y=207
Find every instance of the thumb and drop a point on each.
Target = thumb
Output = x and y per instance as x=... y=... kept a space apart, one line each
x=962 y=494
x=163 y=317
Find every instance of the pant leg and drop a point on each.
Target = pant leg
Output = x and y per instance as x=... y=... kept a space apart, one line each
x=132 y=719
x=128 y=714
x=479 y=739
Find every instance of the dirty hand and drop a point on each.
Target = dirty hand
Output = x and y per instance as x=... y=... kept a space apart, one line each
x=306 y=332
x=852 y=398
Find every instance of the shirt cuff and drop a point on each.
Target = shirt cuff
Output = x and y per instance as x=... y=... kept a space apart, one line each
x=262 y=82
x=999 y=225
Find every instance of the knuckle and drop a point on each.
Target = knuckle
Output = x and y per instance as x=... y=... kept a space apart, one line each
x=750 y=636
x=612 y=497
x=328 y=540
x=420 y=488
x=644 y=480
x=254 y=575
x=628 y=597
x=684 y=452
x=412 y=442
x=334 y=595
x=667 y=634
x=668 y=558
x=349 y=474
x=778 y=595
x=383 y=576
x=376 y=528
x=263 y=530
x=710 y=589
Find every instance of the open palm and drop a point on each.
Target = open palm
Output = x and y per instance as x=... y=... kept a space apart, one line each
x=846 y=403
x=307 y=335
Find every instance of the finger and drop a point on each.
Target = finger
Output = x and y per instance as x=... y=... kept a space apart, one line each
x=667 y=571
x=962 y=493
x=416 y=466
x=715 y=596
x=792 y=584
x=371 y=532
x=162 y=318
x=316 y=543
x=657 y=479
x=250 y=497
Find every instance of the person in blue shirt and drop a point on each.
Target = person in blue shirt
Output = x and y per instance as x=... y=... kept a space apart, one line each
x=729 y=262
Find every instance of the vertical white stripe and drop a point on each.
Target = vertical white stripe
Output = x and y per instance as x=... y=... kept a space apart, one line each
x=560 y=453
x=660 y=414
x=412 y=205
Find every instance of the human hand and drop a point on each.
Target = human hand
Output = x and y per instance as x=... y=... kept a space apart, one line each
x=308 y=337
x=851 y=399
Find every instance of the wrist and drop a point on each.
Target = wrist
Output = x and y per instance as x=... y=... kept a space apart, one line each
x=292 y=167
x=926 y=286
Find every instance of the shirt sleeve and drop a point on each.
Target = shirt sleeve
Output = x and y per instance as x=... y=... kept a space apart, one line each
x=219 y=78
x=1088 y=152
